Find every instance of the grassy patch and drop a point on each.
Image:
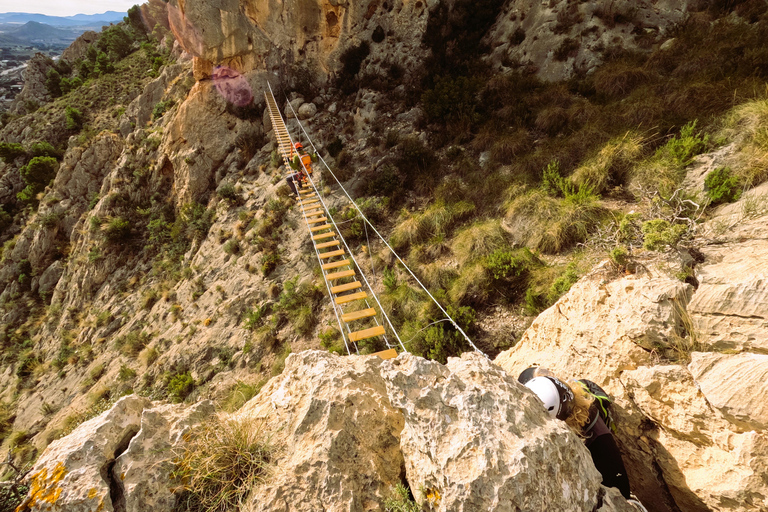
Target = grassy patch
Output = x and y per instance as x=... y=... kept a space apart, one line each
x=222 y=463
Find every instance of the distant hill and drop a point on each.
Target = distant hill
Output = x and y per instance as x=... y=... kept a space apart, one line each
x=77 y=20
x=40 y=32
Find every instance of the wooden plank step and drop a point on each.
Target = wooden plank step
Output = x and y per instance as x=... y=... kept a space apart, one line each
x=308 y=196
x=307 y=203
x=346 y=287
x=312 y=209
x=335 y=264
x=331 y=254
x=390 y=353
x=367 y=333
x=338 y=275
x=357 y=315
x=343 y=299
x=320 y=228
x=327 y=244
x=315 y=221
x=324 y=235
x=314 y=213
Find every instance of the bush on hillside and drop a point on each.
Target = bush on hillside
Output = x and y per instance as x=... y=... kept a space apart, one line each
x=722 y=186
x=74 y=118
x=10 y=151
x=452 y=100
x=660 y=234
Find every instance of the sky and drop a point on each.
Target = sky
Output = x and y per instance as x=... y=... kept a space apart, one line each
x=66 y=7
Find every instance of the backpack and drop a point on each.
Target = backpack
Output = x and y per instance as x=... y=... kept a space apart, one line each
x=602 y=401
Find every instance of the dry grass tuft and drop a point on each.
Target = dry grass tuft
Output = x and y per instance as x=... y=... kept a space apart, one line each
x=221 y=464
x=749 y=122
x=479 y=240
x=611 y=165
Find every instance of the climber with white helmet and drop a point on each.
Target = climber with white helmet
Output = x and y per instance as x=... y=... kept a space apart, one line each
x=584 y=407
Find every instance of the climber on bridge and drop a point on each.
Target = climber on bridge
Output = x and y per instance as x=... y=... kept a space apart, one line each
x=306 y=160
x=584 y=407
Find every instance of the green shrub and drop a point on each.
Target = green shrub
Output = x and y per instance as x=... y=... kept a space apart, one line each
x=227 y=190
x=161 y=108
x=117 y=230
x=132 y=343
x=660 y=234
x=722 y=186
x=254 y=317
x=39 y=172
x=400 y=500
x=232 y=246
x=53 y=83
x=44 y=148
x=687 y=145
x=126 y=373
x=10 y=151
x=510 y=269
x=74 y=118
x=180 y=386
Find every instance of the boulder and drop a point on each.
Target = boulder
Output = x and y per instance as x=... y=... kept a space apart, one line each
x=50 y=277
x=144 y=469
x=339 y=434
x=475 y=439
x=307 y=110
x=73 y=473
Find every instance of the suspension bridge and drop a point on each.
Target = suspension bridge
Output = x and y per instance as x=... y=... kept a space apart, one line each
x=358 y=311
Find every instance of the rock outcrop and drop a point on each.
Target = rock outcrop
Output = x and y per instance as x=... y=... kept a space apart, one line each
x=120 y=460
x=676 y=422
x=465 y=436
x=35 y=92
x=559 y=39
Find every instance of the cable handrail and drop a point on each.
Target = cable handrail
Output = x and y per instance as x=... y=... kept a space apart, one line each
x=365 y=219
x=343 y=241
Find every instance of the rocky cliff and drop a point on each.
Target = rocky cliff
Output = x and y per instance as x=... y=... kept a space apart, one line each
x=164 y=263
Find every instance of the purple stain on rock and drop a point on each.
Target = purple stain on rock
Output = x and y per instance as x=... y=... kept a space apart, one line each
x=232 y=86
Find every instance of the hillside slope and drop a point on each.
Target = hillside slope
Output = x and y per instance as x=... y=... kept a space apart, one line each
x=150 y=244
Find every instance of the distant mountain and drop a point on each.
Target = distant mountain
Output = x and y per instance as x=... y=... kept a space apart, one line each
x=64 y=21
x=40 y=32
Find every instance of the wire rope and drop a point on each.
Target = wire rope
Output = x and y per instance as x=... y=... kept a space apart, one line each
x=365 y=219
x=338 y=232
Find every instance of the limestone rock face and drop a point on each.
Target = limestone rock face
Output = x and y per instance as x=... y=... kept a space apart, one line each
x=339 y=432
x=144 y=469
x=475 y=439
x=602 y=320
x=73 y=472
x=79 y=46
x=732 y=385
x=537 y=34
x=676 y=422
x=730 y=308
x=308 y=34
x=120 y=460
x=34 y=84
x=697 y=438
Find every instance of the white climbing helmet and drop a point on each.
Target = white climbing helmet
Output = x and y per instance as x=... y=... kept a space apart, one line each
x=556 y=395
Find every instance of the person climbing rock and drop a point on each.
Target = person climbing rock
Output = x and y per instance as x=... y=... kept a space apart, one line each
x=584 y=407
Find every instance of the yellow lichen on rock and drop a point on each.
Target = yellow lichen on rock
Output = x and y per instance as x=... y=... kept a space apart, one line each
x=44 y=489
